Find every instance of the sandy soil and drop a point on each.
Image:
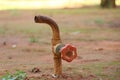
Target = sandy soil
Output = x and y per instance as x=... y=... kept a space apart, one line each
x=19 y=54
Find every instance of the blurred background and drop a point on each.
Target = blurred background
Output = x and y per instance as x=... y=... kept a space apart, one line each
x=93 y=26
x=53 y=4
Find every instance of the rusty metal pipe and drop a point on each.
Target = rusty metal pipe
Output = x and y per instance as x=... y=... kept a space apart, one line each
x=53 y=25
x=55 y=40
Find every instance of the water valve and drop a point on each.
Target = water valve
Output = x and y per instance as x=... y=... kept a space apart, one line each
x=68 y=52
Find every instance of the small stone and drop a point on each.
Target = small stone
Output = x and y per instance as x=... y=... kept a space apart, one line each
x=9 y=57
x=100 y=49
x=36 y=70
x=4 y=43
x=55 y=76
x=26 y=78
x=14 y=46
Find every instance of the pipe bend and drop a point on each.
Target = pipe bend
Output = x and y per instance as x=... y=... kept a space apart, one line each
x=52 y=23
x=55 y=40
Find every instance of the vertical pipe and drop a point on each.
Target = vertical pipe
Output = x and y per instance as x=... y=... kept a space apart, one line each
x=55 y=40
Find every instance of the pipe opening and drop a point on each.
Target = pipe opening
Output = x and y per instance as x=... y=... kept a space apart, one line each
x=38 y=19
x=35 y=19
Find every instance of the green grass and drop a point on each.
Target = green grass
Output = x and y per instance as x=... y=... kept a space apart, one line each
x=80 y=11
x=18 y=75
x=88 y=23
x=99 y=21
x=101 y=70
x=96 y=11
x=33 y=40
x=86 y=32
x=2 y=30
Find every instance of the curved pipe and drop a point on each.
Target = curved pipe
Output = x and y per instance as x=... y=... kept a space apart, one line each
x=55 y=40
x=53 y=25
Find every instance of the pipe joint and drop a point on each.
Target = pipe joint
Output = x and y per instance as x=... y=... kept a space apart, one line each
x=58 y=47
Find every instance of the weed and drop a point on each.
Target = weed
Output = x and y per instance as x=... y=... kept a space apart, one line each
x=33 y=40
x=99 y=21
x=19 y=75
x=2 y=31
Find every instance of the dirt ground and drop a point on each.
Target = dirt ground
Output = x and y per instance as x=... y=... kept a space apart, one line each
x=99 y=51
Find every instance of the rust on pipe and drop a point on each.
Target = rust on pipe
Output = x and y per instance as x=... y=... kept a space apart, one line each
x=55 y=40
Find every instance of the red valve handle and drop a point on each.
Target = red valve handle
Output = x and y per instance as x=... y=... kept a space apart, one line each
x=68 y=52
